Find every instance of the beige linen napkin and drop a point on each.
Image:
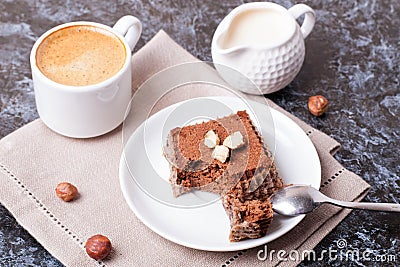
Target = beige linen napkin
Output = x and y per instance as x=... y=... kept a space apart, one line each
x=34 y=159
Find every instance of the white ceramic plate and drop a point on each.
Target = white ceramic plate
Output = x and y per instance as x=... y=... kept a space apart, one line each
x=207 y=227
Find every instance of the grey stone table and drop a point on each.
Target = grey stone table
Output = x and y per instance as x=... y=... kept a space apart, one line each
x=353 y=58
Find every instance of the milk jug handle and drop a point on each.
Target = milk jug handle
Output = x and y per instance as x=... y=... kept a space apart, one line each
x=129 y=27
x=309 y=17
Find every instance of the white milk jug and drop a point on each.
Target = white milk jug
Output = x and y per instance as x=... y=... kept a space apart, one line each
x=258 y=48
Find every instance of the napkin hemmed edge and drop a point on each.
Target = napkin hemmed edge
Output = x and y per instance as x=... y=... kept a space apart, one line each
x=23 y=198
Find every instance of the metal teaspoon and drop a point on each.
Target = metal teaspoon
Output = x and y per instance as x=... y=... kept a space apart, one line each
x=301 y=199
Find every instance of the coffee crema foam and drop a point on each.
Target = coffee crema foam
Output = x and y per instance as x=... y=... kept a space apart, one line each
x=80 y=55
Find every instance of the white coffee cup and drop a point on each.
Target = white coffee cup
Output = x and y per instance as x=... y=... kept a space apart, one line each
x=90 y=110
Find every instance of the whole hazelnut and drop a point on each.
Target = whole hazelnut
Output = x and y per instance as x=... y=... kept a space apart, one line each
x=98 y=247
x=66 y=191
x=317 y=105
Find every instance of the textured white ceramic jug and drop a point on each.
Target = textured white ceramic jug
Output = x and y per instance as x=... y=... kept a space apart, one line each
x=263 y=68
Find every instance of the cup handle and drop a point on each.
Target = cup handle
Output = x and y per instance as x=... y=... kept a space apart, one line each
x=309 y=17
x=131 y=28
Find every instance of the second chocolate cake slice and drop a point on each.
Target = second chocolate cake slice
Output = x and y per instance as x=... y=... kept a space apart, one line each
x=245 y=180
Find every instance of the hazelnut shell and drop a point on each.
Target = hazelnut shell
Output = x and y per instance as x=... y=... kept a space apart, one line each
x=317 y=105
x=98 y=247
x=66 y=191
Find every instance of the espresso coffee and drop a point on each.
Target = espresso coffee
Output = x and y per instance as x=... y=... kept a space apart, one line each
x=80 y=55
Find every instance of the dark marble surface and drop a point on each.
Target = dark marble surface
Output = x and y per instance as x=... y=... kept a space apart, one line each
x=353 y=58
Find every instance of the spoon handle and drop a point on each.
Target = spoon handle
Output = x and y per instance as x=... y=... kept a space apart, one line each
x=366 y=205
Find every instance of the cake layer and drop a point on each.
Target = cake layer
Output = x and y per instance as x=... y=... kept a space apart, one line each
x=191 y=162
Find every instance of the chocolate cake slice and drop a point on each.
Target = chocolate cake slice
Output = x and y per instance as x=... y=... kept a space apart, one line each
x=245 y=180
